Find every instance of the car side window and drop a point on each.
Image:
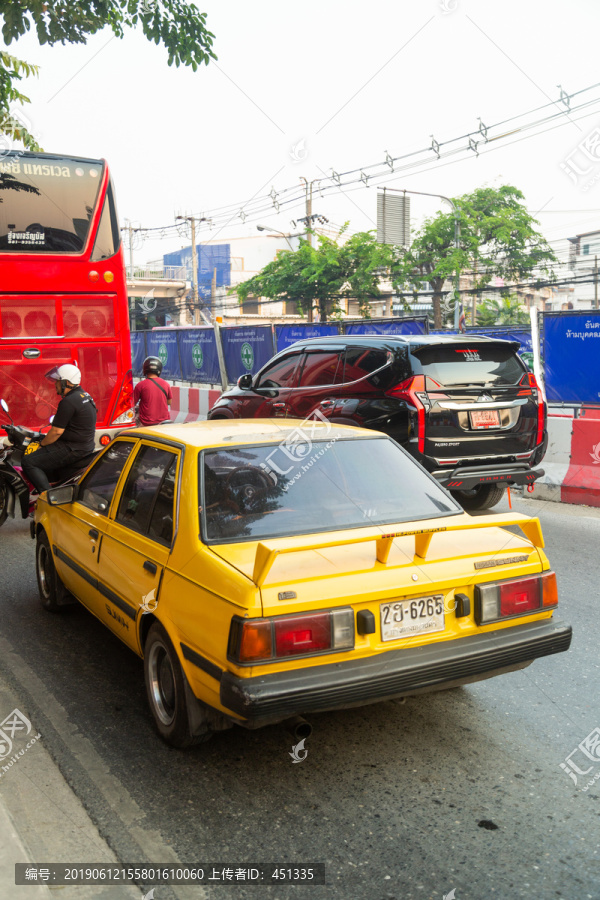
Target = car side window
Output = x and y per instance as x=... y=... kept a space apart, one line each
x=361 y=361
x=96 y=489
x=161 y=521
x=280 y=374
x=147 y=500
x=322 y=368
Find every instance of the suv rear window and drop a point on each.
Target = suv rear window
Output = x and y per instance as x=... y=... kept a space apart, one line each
x=470 y=364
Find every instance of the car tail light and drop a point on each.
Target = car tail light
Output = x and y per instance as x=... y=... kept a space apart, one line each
x=280 y=637
x=529 y=379
x=519 y=597
x=123 y=411
x=549 y=590
x=256 y=641
x=413 y=391
x=516 y=597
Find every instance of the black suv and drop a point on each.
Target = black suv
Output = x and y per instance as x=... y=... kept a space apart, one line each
x=466 y=408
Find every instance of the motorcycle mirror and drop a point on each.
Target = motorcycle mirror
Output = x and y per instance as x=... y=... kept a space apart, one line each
x=4 y=406
x=51 y=419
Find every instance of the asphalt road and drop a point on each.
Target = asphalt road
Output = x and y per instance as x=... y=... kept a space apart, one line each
x=461 y=790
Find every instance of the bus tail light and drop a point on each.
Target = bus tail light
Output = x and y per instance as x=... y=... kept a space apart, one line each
x=517 y=597
x=123 y=411
x=281 y=637
x=413 y=392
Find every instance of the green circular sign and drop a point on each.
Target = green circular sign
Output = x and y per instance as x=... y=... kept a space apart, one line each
x=247 y=354
x=197 y=357
x=163 y=354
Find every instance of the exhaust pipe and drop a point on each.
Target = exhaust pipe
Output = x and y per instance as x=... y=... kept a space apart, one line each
x=298 y=727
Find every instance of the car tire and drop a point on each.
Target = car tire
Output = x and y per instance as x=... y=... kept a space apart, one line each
x=4 y=497
x=54 y=596
x=165 y=688
x=483 y=497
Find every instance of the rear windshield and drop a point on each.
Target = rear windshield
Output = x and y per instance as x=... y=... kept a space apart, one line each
x=302 y=487
x=470 y=364
x=46 y=203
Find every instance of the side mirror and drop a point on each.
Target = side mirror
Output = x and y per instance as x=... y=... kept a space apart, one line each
x=4 y=405
x=62 y=495
x=244 y=382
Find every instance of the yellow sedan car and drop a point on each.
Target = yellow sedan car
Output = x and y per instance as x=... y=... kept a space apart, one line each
x=268 y=569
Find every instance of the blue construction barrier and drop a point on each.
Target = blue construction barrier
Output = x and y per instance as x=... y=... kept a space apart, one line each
x=163 y=343
x=246 y=349
x=198 y=355
x=418 y=325
x=138 y=351
x=286 y=335
x=571 y=348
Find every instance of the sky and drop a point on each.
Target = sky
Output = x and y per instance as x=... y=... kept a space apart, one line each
x=299 y=90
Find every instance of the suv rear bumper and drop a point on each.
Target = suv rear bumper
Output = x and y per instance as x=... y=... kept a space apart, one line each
x=273 y=698
x=466 y=478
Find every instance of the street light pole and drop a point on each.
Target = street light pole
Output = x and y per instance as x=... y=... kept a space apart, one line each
x=286 y=236
x=456 y=245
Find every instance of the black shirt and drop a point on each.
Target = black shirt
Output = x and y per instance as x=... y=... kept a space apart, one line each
x=76 y=413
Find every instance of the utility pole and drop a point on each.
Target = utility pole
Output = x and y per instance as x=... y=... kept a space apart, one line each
x=309 y=190
x=195 y=300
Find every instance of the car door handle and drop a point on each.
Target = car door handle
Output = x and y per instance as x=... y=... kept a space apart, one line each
x=327 y=404
x=279 y=406
x=93 y=534
x=150 y=567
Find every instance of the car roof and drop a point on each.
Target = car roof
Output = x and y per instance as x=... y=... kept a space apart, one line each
x=228 y=432
x=388 y=340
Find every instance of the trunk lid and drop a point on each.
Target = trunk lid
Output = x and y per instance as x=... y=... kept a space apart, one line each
x=478 y=401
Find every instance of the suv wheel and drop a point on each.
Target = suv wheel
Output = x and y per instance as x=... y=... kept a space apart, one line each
x=483 y=497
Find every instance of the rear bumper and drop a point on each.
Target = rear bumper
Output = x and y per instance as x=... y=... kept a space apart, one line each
x=465 y=479
x=272 y=698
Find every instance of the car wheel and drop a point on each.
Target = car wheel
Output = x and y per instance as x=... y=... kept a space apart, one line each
x=53 y=594
x=4 y=495
x=166 y=690
x=483 y=497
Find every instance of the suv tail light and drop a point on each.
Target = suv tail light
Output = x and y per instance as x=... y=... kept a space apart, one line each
x=413 y=392
x=279 y=637
x=123 y=411
x=529 y=380
x=517 y=597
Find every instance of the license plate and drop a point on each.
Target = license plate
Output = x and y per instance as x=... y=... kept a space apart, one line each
x=485 y=418
x=405 y=618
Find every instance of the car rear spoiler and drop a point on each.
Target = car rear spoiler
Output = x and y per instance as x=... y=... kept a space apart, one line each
x=267 y=553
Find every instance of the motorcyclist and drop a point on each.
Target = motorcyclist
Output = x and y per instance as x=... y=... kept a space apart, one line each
x=152 y=395
x=70 y=441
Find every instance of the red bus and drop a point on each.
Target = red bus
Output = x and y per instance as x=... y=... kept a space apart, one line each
x=63 y=295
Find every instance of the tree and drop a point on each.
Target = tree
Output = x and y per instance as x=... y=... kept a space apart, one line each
x=506 y=311
x=497 y=237
x=179 y=25
x=320 y=277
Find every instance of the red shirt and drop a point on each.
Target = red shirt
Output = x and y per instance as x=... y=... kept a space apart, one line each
x=153 y=407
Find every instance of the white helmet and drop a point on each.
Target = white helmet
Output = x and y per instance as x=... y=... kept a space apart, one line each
x=66 y=373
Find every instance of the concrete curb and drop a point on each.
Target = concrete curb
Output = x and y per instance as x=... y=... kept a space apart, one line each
x=13 y=850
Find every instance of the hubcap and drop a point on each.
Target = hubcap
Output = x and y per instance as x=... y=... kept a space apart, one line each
x=162 y=683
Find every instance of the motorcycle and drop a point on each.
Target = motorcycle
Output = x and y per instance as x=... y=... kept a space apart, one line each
x=14 y=484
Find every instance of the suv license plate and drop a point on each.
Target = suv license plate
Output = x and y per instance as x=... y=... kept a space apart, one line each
x=485 y=418
x=405 y=618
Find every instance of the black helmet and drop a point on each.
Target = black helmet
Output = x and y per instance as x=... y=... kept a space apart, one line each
x=152 y=366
